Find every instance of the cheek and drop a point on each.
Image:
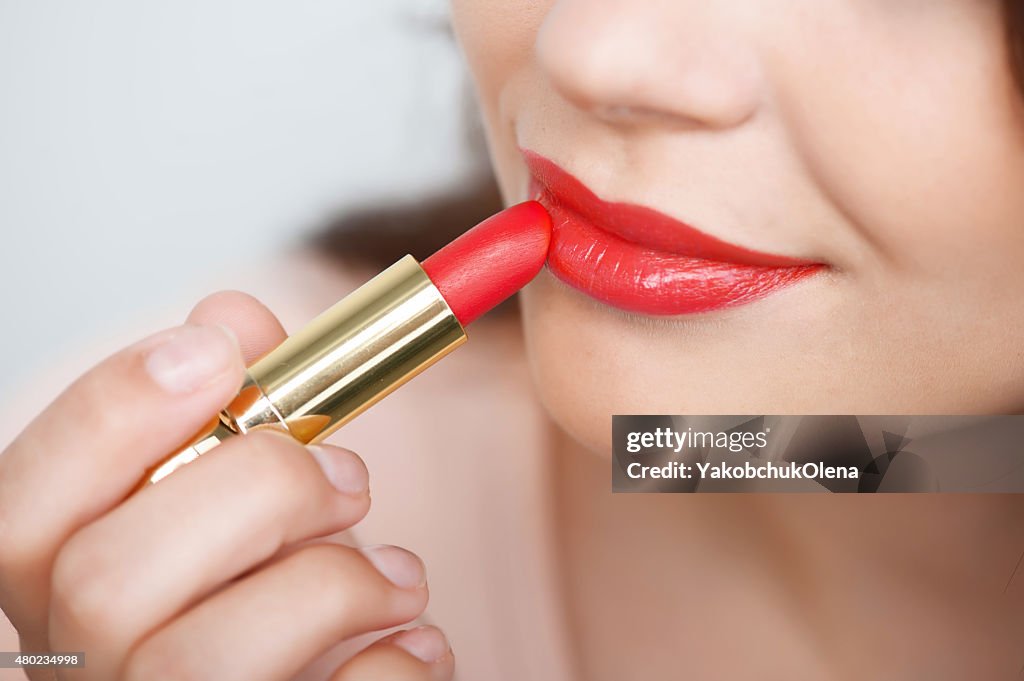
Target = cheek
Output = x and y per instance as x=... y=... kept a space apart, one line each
x=492 y=32
x=928 y=170
x=498 y=38
x=489 y=38
x=920 y=149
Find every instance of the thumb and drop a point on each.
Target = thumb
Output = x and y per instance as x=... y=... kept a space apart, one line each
x=257 y=329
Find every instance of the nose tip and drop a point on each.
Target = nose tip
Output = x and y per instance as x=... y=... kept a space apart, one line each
x=629 y=62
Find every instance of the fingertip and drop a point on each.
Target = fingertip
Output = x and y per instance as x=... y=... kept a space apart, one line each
x=192 y=357
x=426 y=643
x=257 y=328
x=399 y=566
x=343 y=468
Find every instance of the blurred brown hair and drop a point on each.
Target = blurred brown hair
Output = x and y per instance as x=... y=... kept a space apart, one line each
x=379 y=235
x=1014 y=13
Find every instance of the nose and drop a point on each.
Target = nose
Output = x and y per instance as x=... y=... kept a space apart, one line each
x=684 y=62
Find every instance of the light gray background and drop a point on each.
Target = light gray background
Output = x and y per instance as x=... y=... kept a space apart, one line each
x=144 y=144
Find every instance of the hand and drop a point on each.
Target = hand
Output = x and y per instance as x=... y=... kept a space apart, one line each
x=211 y=573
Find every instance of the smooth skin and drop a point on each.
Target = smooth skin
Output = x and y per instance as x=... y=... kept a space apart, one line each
x=226 y=569
x=883 y=138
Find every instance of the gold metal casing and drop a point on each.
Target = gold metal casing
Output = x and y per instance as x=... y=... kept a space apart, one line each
x=344 y=361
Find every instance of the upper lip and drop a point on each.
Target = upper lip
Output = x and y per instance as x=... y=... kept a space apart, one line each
x=641 y=225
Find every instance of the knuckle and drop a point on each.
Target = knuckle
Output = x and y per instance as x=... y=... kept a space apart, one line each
x=85 y=593
x=325 y=564
x=155 y=659
x=18 y=551
x=278 y=465
x=14 y=548
x=87 y=402
x=384 y=660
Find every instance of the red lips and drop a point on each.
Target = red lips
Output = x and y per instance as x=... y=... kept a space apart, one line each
x=638 y=259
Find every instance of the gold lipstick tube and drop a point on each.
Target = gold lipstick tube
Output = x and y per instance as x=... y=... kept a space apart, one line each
x=347 y=359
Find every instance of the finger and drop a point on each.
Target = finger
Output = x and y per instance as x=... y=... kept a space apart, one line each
x=176 y=541
x=420 y=654
x=257 y=329
x=274 y=622
x=89 y=448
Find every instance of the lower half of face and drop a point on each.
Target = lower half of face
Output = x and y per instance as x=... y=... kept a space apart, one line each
x=774 y=207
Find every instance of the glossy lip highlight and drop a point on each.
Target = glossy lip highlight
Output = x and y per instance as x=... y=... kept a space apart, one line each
x=640 y=260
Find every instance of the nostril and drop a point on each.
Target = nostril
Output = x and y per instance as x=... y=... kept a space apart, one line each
x=640 y=116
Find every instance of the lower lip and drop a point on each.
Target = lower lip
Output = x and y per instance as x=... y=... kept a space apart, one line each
x=631 y=277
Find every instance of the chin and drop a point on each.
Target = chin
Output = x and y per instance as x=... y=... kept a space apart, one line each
x=778 y=356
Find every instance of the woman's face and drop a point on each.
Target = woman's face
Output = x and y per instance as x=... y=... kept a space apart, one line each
x=878 y=139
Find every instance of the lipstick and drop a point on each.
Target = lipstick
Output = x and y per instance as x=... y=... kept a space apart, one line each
x=379 y=336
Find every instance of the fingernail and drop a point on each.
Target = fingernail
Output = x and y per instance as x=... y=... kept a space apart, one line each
x=190 y=357
x=402 y=568
x=343 y=468
x=427 y=643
